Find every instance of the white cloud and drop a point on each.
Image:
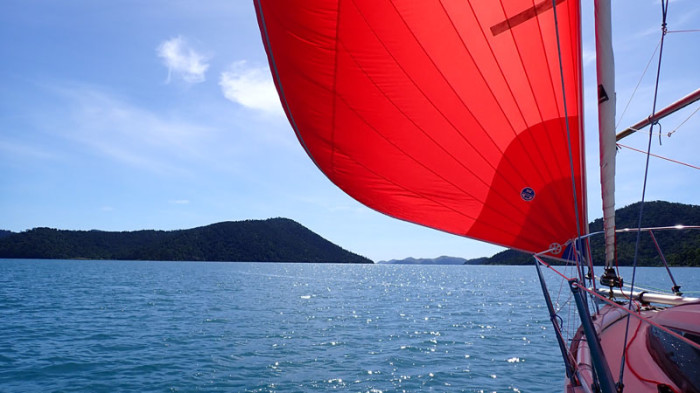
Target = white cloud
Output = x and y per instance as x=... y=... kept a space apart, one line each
x=182 y=61
x=114 y=128
x=250 y=87
x=180 y=202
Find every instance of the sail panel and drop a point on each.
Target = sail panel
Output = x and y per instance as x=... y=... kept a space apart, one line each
x=449 y=115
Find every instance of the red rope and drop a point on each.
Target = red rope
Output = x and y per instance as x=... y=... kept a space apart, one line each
x=636 y=374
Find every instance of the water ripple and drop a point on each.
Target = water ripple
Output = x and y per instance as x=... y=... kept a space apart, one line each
x=104 y=326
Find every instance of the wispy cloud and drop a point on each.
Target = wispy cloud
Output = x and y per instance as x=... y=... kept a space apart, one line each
x=24 y=149
x=114 y=128
x=180 y=201
x=687 y=19
x=182 y=61
x=251 y=87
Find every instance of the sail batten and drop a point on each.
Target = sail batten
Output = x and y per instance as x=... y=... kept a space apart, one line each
x=419 y=111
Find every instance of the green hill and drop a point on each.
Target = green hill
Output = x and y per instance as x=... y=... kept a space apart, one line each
x=272 y=240
x=680 y=247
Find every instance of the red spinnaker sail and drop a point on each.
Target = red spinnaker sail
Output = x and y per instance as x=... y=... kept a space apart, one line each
x=449 y=114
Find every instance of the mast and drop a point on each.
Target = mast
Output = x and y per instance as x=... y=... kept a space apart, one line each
x=605 y=68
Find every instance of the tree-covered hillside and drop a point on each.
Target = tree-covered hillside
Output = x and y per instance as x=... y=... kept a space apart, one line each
x=272 y=240
x=680 y=247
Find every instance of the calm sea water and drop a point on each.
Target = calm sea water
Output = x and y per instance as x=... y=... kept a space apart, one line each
x=111 y=326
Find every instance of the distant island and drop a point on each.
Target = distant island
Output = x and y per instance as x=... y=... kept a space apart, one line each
x=443 y=260
x=284 y=240
x=680 y=247
x=272 y=240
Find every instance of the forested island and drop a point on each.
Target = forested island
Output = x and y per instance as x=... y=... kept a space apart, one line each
x=442 y=260
x=272 y=240
x=284 y=240
x=680 y=247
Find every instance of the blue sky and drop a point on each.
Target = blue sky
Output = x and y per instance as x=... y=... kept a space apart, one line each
x=162 y=115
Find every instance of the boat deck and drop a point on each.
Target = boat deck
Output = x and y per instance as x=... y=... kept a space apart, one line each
x=642 y=372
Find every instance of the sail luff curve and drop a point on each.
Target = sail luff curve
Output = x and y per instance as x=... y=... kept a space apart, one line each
x=447 y=114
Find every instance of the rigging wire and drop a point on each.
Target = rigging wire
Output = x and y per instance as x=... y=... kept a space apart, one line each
x=676 y=288
x=658 y=156
x=637 y=315
x=568 y=140
x=639 y=82
x=628 y=310
x=683 y=122
x=664 y=12
x=684 y=31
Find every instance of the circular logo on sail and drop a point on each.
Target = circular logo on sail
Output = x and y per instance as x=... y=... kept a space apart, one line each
x=527 y=194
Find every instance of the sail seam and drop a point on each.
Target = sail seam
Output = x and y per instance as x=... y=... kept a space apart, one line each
x=516 y=102
x=466 y=192
x=510 y=90
x=422 y=195
x=466 y=107
x=561 y=171
x=334 y=88
x=442 y=114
